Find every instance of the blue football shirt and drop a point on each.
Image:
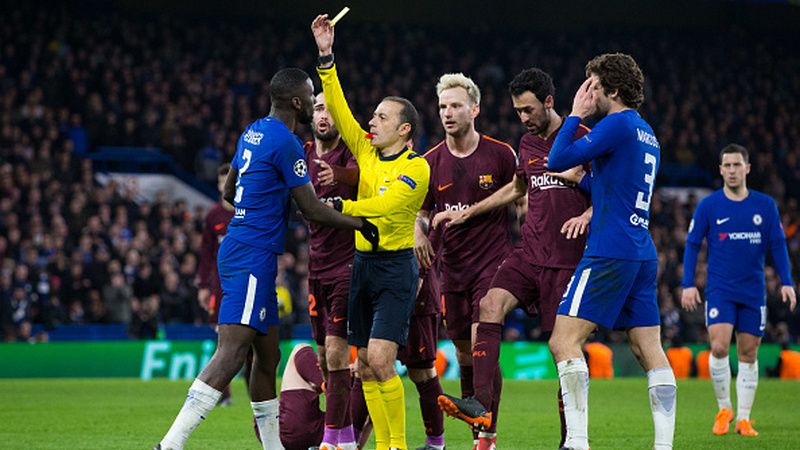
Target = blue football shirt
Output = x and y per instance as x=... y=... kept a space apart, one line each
x=625 y=155
x=738 y=233
x=269 y=160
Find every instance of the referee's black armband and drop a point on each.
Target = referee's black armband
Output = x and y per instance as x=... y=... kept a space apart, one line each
x=337 y=204
x=325 y=62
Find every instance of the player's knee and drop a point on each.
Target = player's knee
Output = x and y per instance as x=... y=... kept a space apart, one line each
x=492 y=308
x=747 y=354
x=719 y=349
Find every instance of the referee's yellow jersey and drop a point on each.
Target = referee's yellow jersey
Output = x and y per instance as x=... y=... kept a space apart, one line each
x=390 y=190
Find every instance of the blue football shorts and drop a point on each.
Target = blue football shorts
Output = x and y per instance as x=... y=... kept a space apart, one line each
x=613 y=293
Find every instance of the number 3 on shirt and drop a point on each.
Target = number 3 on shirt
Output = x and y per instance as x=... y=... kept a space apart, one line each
x=247 y=155
x=650 y=179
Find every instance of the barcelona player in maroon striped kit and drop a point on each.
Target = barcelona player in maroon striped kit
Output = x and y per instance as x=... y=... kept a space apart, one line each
x=466 y=168
x=535 y=275
x=334 y=174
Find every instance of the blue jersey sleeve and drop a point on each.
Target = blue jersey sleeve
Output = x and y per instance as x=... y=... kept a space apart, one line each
x=586 y=183
x=777 y=244
x=698 y=229
x=566 y=153
x=291 y=163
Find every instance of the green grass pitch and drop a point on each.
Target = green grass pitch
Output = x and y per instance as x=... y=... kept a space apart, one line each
x=131 y=414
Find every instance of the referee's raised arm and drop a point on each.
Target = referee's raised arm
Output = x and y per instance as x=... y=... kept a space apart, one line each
x=349 y=128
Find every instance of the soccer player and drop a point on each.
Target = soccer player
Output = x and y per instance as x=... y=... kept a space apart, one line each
x=536 y=273
x=268 y=166
x=392 y=185
x=466 y=168
x=419 y=354
x=740 y=225
x=334 y=174
x=614 y=285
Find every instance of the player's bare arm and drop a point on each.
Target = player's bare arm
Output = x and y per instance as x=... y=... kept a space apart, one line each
x=229 y=191
x=422 y=245
x=573 y=175
x=690 y=298
x=505 y=195
x=578 y=225
x=789 y=296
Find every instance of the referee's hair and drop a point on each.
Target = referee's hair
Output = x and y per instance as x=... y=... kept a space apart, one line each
x=534 y=80
x=408 y=114
x=287 y=83
x=735 y=148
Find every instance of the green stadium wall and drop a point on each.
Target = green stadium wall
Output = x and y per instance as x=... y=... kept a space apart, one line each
x=183 y=359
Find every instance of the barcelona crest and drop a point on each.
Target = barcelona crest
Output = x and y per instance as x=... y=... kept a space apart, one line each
x=485 y=181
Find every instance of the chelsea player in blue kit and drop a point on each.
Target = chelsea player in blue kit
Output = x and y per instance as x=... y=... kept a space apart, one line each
x=614 y=285
x=739 y=225
x=268 y=167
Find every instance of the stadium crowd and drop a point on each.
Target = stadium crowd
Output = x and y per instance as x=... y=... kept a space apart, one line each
x=73 y=251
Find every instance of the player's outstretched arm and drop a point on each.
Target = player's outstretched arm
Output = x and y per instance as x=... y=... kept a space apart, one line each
x=229 y=190
x=422 y=245
x=512 y=191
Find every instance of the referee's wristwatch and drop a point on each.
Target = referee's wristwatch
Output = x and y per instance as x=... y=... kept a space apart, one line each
x=325 y=62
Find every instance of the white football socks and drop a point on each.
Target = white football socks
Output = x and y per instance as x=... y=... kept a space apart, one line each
x=663 y=394
x=573 y=374
x=746 y=384
x=720 y=369
x=266 y=414
x=200 y=400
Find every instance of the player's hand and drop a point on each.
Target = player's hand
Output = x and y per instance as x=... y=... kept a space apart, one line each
x=583 y=105
x=574 y=175
x=789 y=296
x=576 y=226
x=446 y=217
x=325 y=173
x=204 y=298
x=323 y=34
x=690 y=298
x=370 y=233
x=423 y=250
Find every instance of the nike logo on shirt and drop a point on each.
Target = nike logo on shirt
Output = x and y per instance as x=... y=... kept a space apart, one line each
x=721 y=221
x=443 y=187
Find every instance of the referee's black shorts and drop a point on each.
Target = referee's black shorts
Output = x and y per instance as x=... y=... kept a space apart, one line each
x=382 y=294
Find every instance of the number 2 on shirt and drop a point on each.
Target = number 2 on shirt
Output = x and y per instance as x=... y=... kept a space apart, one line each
x=650 y=179
x=247 y=155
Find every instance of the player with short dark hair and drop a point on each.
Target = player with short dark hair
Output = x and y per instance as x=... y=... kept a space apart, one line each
x=614 y=285
x=535 y=274
x=392 y=185
x=267 y=168
x=739 y=225
x=334 y=174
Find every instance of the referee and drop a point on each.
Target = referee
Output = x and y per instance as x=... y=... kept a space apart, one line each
x=392 y=186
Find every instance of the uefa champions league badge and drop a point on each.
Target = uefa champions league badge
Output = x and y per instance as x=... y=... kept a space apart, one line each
x=300 y=168
x=262 y=315
x=757 y=219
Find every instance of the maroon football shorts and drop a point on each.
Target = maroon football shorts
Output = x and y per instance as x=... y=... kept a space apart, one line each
x=538 y=289
x=327 y=308
x=420 y=349
x=300 y=420
x=462 y=308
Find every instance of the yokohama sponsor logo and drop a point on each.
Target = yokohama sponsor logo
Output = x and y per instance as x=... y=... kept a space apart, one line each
x=753 y=236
